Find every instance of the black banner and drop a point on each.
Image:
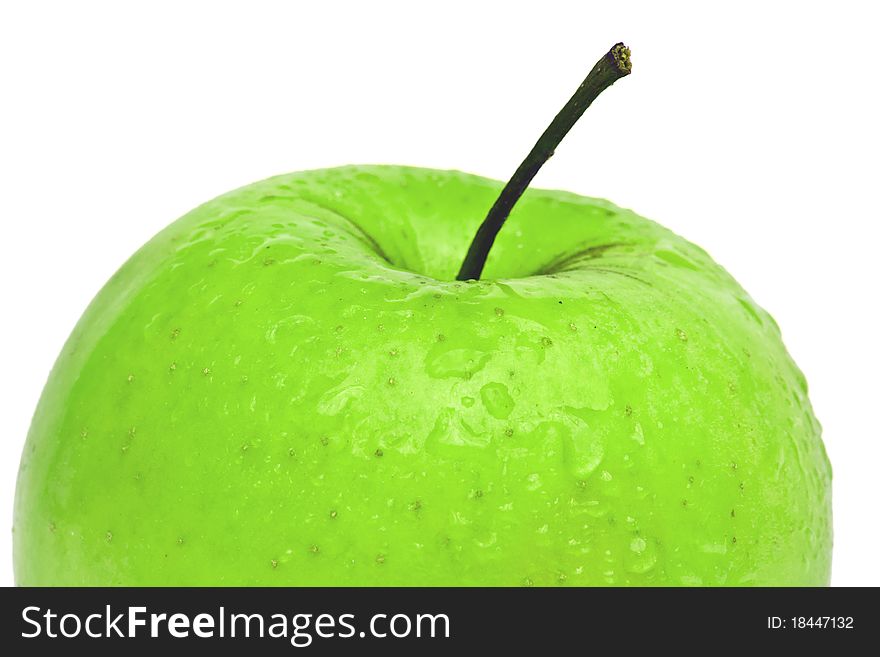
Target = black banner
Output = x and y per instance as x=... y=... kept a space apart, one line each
x=432 y=621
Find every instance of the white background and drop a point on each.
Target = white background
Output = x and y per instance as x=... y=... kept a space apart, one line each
x=748 y=127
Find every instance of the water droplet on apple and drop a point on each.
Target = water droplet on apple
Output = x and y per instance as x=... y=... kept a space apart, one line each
x=582 y=453
x=497 y=400
x=675 y=259
x=749 y=307
x=485 y=538
x=451 y=436
x=455 y=363
x=642 y=556
x=638 y=434
x=338 y=399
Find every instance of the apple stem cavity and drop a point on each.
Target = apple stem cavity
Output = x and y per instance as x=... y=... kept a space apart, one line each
x=615 y=64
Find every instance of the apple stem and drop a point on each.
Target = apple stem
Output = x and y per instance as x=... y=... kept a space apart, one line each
x=614 y=65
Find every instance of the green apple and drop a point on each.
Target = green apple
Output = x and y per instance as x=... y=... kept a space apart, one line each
x=288 y=387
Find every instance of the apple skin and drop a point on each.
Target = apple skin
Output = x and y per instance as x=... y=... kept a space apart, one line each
x=259 y=397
